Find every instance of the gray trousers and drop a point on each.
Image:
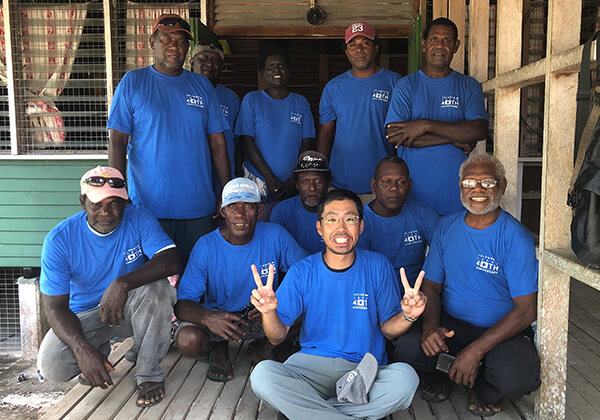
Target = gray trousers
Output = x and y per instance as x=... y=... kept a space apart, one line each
x=303 y=387
x=148 y=313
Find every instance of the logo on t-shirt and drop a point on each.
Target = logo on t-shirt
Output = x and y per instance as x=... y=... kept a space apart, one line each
x=263 y=270
x=295 y=117
x=225 y=110
x=133 y=254
x=486 y=264
x=450 y=102
x=194 y=100
x=360 y=301
x=412 y=237
x=380 y=95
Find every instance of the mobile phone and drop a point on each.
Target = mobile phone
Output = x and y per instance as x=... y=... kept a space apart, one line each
x=444 y=362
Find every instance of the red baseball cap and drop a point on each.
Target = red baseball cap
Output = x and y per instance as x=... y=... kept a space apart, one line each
x=359 y=28
x=169 y=23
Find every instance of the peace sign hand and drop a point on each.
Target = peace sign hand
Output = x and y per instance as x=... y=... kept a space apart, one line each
x=263 y=297
x=413 y=302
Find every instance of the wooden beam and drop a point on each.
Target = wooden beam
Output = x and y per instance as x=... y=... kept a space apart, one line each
x=564 y=23
x=456 y=13
x=383 y=31
x=507 y=112
x=440 y=9
x=108 y=48
x=11 y=56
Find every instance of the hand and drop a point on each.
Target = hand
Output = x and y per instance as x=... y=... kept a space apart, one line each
x=112 y=303
x=254 y=315
x=405 y=133
x=465 y=366
x=285 y=190
x=225 y=324
x=94 y=366
x=413 y=302
x=467 y=147
x=263 y=297
x=273 y=186
x=433 y=340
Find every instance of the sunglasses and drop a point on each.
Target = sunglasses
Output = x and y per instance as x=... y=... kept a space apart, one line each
x=485 y=183
x=98 y=181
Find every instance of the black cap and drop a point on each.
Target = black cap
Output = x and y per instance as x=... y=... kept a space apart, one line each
x=312 y=161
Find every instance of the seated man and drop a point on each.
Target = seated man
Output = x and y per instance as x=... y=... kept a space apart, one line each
x=104 y=275
x=398 y=228
x=481 y=287
x=298 y=214
x=348 y=301
x=217 y=275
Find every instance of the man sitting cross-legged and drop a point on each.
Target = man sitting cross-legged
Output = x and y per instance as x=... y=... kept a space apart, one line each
x=481 y=287
x=216 y=285
x=348 y=301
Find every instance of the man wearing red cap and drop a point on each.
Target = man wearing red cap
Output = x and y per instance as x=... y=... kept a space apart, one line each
x=169 y=124
x=352 y=113
x=104 y=275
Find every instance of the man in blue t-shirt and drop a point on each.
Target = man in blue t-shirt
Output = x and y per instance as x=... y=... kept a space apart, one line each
x=298 y=215
x=352 y=112
x=435 y=117
x=213 y=296
x=275 y=126
x=103 y=276
x=348 y=301
x=207 y=60
x=165 y=126
x=482 y=292
x=398 y=228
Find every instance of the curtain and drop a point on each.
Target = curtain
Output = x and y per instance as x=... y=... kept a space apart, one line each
x=50 y=37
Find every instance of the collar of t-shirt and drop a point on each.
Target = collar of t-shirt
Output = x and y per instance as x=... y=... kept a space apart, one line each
x=333 y=269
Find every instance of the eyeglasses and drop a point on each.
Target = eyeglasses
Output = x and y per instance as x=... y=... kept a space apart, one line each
x=485 y=183
x=98 y=181
x=170 y=22
x=349 y=220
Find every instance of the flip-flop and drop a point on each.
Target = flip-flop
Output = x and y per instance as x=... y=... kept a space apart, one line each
x=214 y=369
x=81 y=379
x=436 y=392
x=153 y=387
x=473 y=400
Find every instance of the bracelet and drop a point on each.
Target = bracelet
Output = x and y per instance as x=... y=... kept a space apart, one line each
x=411 y=320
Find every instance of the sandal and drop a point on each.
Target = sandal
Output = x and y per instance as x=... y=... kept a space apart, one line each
x=218 y=372
x=479 y=408
x=146 y=388
x=436 y=392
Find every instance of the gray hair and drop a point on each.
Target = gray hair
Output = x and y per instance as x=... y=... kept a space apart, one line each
x=484 y=158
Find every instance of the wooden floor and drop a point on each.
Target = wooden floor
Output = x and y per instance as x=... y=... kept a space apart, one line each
x=191 y=396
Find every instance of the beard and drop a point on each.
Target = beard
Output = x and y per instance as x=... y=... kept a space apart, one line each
x=492 y=205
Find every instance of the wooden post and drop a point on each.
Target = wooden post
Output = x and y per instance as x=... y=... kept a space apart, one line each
x=439 y=9
x=10 y=42
x=564 y=23
x=507 y=109
x=456 y=13
x=33 y=321
x=108 y=30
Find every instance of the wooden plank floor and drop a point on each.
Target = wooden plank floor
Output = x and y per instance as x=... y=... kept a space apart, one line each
x=191 y=396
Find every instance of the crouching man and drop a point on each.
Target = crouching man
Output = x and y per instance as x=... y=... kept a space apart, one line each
x=348 y=301
x=481 y=287
x=104 y=275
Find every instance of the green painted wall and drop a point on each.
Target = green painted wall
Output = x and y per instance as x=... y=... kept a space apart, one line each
x=34 y=197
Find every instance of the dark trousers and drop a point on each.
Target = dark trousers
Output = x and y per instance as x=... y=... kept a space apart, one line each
x=185 y=232
x=511 y=369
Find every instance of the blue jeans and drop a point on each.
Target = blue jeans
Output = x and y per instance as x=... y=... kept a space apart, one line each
x=304 y=387
x=148 y=313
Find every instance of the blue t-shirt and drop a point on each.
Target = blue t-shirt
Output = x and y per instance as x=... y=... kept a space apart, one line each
x=299 y=222
x=482 y=270
x=81 y=263
x=278 y=127
x=168 y=119
x=402 y=238
x=341 y=311
x=359 y=107
x=230 y=105
x=219 y=272
x=434 y=170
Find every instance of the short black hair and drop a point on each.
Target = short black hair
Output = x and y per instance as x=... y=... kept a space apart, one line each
x=340 y=194
x=392 y=159
x=442 y=21
x=274 y=49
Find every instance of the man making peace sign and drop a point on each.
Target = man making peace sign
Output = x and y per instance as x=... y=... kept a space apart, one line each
x=348 y=300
